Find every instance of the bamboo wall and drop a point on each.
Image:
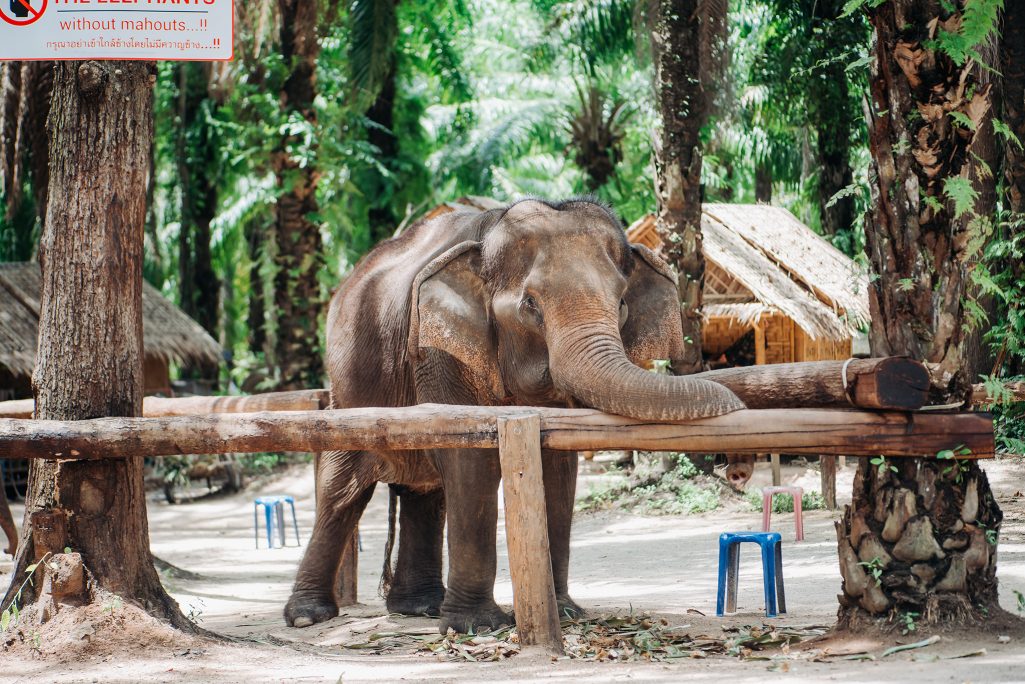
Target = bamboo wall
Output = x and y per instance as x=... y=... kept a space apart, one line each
x=782 y=341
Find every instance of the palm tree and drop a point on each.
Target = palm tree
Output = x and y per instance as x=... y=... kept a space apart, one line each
x=920 y=536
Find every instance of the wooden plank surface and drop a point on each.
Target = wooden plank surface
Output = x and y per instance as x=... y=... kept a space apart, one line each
x=153 y=407
x=790 y=431
x=526 y=525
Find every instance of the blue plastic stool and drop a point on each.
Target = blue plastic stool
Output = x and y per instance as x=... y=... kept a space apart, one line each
x=772 y=570
x=274 y=514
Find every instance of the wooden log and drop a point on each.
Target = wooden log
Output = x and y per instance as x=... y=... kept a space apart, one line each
x=892 y=382
x=299 y=400
x=526 y=533
x=434 y=426
x=827 y=471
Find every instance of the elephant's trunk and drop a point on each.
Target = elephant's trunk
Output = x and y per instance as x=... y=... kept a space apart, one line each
x=589 y=362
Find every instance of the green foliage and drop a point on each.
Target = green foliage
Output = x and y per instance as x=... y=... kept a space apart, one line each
x=978 y=19
x=784 y=503
x=874 y=568
x=9 y=615
x=962 y=193
x=1003 y=130
x=677 y=492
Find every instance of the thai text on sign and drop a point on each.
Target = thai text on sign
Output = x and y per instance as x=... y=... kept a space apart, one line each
x=200 y=30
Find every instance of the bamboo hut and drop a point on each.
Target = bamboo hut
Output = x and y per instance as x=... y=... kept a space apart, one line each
x=169 y=335
x=775 y=291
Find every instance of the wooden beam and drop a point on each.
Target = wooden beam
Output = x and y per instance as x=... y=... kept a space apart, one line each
x=152 y=407
x=892 y=382
x=526 y=533
x=777 y=473
x=432 y=426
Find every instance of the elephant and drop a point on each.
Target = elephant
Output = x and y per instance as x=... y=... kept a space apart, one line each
x=538 y=303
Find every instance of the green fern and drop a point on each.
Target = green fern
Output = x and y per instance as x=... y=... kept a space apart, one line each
x=1000 y=128
x=960 y=191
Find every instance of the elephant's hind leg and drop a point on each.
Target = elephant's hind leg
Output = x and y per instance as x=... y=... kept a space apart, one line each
x=345 y=483
x=417 y=588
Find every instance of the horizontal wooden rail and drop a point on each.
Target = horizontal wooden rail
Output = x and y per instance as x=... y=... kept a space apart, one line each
x=152 y=407
x=791 y=431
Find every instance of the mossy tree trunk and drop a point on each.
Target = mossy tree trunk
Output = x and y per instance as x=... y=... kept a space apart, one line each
x=919 y=538
x=89 y=361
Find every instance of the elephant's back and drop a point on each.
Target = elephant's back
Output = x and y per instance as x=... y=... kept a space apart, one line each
x=368 y=318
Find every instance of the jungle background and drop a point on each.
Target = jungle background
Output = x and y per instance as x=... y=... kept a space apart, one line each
x=340 y=123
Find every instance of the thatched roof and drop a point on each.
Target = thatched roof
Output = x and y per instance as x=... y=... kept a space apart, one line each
x=168 y=333
x=760 y=259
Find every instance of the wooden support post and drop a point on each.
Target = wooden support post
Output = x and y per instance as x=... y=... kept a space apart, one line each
x=526 y=529
x=777 y=475
x=759 y=344
x=827 y=468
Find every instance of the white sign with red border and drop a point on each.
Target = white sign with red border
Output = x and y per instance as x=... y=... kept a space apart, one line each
x=187 y=30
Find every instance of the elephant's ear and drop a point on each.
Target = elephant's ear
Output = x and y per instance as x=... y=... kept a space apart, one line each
x=654 y=323
x=449 y=310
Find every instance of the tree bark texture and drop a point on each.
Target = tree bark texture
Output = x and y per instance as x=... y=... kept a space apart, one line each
x=918 y=248
x=299 y=251
x=928 y=529
x=89 y=360
x=682 y=104
x=919 y=537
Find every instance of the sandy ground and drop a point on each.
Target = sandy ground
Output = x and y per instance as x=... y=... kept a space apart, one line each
x=665 y=566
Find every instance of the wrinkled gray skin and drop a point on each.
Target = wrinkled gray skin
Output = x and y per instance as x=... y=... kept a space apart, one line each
x=537 y=304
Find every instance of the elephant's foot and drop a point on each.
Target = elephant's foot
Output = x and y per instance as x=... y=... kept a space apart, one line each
x=307 y=607
x=487 y=616
x=409 y=602
x=568 y=608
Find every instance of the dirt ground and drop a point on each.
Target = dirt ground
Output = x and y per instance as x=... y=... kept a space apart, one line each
x=662 y=566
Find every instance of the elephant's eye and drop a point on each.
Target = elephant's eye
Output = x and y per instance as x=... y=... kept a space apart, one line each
x=530 y=307
x=624 y=311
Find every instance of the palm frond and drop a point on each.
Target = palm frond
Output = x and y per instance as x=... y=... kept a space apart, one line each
x=373 y=29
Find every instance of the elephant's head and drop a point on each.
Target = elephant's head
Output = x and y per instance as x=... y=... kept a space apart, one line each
x=551 y=305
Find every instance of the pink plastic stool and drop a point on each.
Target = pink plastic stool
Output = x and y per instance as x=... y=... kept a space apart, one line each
x=797 y=493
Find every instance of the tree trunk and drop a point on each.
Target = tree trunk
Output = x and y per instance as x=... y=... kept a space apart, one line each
x=89 y=361
x=197 y=163
x=299 y=256
x=1012 y=58
x=1012 y=63
x=763 y=183
x=832 y=119
x=926 y=529
x=683 y=106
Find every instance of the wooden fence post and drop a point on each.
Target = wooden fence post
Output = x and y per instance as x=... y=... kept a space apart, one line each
x=777 y=473
x=526 y=530
x=827 y=468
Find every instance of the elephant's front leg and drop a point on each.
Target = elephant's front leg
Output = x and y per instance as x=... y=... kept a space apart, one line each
x=471 y=480
x=560 y=478
x=416 y=588
x=345 y=482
